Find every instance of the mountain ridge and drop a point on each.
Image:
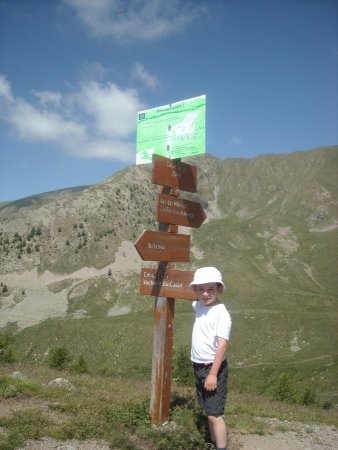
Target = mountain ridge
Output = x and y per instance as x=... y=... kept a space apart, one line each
x=67 y=229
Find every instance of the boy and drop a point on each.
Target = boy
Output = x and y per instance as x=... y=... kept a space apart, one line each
x=210 y=337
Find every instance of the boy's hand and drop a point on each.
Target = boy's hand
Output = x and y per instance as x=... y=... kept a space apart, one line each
x=210 y=383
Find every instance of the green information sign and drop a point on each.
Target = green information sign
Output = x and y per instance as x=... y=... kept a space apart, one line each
x=175 y=131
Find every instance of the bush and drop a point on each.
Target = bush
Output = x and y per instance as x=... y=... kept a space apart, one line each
x=6 y=351
x=133 y=416
x=327 y=405
x=182 y=368
x=309 y=397
x=285 y=391
x=11 y=440
x=81 y=366
x=59 y=358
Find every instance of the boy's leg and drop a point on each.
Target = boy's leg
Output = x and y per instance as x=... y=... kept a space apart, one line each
x=218 y=430
x=213 y=402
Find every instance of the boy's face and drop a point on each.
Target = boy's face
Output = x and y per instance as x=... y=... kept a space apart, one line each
x=208 y=293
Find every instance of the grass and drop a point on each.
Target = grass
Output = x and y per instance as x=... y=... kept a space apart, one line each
x=123 y=345
x=115 y=409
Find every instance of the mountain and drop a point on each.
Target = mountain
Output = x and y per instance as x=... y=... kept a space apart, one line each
x=271 y=228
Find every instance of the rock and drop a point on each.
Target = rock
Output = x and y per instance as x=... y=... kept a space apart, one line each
x=18 y=376
x=61 y=383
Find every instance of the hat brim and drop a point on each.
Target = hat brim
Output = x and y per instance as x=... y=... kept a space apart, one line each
x=193 y=284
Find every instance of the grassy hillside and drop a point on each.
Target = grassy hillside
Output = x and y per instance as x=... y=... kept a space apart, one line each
x=272 y=229
x=264 y=345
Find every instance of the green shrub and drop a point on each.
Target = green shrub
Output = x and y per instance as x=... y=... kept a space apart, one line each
x=59 y=358
x=81 y=365
x=6 y=351
x=29 y=423
x=309 y=397
x=285 y=391
x=132 y=416
x=327 y=405
x=182 y=369
x=11 y=440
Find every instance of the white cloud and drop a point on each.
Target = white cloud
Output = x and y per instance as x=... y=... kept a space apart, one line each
x=47 y=97
x=112 y=109
x=96 y=121
x=5 y=89
x=122 y=151
x=138 y=19
x=139 y=72
x=234 y=140
x=33 y=125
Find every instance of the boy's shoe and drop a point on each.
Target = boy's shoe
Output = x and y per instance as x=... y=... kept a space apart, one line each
x=210 y=446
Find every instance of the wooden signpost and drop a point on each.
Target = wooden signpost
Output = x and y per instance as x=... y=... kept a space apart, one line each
x=161 y=246
x=166 y=283
x=173 y=173
x=179 y=211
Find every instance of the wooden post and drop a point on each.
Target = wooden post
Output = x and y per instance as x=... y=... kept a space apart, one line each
x=164 y=310
x=162 y=360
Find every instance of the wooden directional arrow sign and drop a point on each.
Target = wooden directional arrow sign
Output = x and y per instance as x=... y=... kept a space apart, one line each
x=162 y=246
x=179 y=211
x=173 y=173
x=167 y=283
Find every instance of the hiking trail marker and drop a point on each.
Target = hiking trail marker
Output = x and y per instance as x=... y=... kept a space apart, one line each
x=167 y=246
x=161 y=246
x=179 y=211
x=167 y=283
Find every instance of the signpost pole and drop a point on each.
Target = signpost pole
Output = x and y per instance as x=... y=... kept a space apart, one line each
x=162 y=360
x=164 y=310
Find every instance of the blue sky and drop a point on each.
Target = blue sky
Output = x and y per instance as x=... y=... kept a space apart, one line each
x=74 y=73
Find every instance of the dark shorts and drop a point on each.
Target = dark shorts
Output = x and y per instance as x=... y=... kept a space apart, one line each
x=212 y=402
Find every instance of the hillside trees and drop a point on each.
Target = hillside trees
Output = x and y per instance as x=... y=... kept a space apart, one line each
x=20 y=243
x=6 y=351
x=60 y=358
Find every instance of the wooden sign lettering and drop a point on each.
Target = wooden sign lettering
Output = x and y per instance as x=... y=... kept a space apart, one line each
x=162 y=246
x=174 y=173
x=167 y=283
x=179 y=211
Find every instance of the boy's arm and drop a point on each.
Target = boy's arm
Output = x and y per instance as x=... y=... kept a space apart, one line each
x=211 y=380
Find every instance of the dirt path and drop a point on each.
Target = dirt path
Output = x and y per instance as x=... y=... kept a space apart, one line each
x=241 y=366
x=288 y=436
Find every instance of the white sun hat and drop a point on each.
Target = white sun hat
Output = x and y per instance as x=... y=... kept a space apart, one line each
x=205 y=275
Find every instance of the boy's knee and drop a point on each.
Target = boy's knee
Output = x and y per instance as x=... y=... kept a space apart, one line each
x=214 y=419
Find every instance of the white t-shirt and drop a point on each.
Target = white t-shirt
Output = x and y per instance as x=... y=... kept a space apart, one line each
x=210 y=322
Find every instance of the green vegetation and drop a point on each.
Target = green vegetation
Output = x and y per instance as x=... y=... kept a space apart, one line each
x=3 y=288
x=286 y=391
x=59 y=358
x=6 y=350
x=116 y=409
x=122 y=346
